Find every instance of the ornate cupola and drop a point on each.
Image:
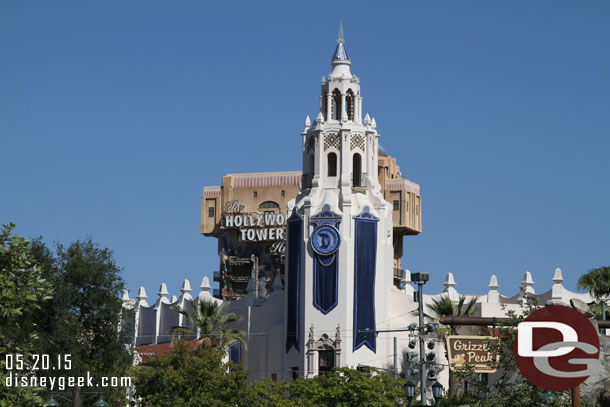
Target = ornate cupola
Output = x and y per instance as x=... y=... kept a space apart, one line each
x=340 y=98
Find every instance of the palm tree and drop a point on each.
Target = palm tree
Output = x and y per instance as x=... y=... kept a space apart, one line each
x=211 y=320
x=597 y=281
x=444 y=307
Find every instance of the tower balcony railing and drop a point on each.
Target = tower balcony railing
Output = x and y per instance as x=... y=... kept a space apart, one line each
x=359 y=180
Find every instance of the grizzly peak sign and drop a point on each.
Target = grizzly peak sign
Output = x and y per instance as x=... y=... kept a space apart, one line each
x=474 y=350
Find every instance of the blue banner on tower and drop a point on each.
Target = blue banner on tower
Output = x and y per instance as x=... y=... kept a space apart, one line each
x=293 y=277
x=325 y=241
x=365 y=260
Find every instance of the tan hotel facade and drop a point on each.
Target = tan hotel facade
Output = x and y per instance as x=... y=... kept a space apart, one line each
x=252 y=248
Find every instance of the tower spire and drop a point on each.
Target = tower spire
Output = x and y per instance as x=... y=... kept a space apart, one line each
x=340 y=55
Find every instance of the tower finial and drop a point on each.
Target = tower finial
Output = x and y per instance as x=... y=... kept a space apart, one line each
x=340 y=56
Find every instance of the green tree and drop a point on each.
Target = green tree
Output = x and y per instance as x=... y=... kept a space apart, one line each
x=444 y=307
x=597 y=282
x=185 y=379
x=342 y=387
x=22 y=293
x=212 y=321
x=84 y=317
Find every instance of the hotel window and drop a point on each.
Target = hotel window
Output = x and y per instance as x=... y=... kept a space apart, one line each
x=255 y=194
x=269 y=206
x=211 y=212
x=283 y=193
x=396 y=205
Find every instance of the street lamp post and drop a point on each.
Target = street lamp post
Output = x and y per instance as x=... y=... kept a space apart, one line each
x=420 y=279
x=410 y=392
x=437 y=392
x=99 y=403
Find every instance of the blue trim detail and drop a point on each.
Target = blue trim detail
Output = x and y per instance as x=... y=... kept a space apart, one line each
x=365 y=262
x=293 y=280
x=235 y=352
x=326 y=265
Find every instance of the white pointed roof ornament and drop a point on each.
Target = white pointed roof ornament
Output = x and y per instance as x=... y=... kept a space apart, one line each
x=493 y=296
x=142 y=294
x=125 y=296
x=320 y=118
x=163 y=290
x=449 y=281
x=528 y=283
x=367 y=120
x=450 y=287
x=558 y=277
x=493 y=282
x=373 y=123
x=186 y=286
x=307 y=121
x=557 y=289
x=205 y=284
x=163 y=293
x=142 y=297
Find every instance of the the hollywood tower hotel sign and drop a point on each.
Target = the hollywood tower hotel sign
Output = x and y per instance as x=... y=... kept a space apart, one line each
x=257 y=226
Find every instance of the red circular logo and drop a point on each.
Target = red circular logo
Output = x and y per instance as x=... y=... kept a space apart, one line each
x=556 y=348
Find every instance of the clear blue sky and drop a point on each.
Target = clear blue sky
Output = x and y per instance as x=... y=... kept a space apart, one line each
x=115 y=114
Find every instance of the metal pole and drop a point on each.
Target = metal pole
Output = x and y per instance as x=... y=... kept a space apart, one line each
x=576 y=396
x=395 y=359
x=603 y=310
x=422 y=344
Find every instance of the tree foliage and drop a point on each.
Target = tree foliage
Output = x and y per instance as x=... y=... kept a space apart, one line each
x=212 y=321
x=200 y=378
x=597 y=282
x=342 y=387
x=85 y=314
x=23 y=292
x=183 y=379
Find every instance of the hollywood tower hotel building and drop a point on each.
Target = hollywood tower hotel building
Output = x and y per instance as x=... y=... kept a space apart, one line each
x=344 y=218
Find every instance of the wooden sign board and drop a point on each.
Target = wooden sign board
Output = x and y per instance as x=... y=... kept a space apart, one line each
x=473 y=350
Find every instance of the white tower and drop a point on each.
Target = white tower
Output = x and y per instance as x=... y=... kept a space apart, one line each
x=339 y=256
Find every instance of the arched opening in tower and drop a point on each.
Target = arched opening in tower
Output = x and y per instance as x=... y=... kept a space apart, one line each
x=336 y=104
x=357 y=170
x=332 y=164
x=349 y=100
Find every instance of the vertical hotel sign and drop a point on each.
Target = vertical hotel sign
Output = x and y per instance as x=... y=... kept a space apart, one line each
x=472 y=350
